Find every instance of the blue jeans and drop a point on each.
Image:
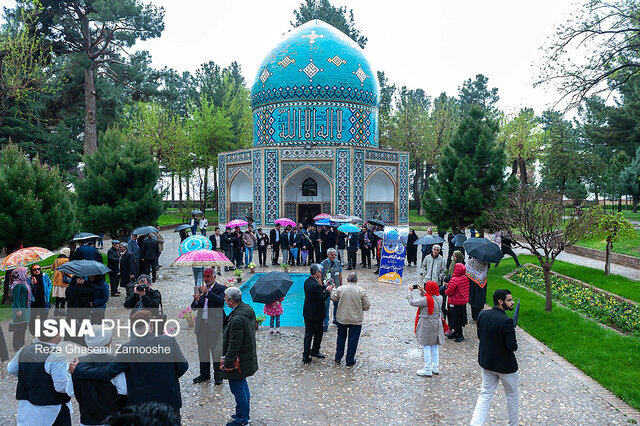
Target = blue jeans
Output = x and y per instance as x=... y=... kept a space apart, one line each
x=276 y=319
x=240 y=390
x=326 y=317
x=248 y=255
x=194 y=230
x=352 y=345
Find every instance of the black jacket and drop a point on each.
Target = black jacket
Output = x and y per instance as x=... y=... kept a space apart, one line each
x=497 y=341
x=113 y=260
x=226 y=239
x=284 y=240
x=150 y=249
x=156 y=379
x=352 y=242
x=151 y=301
x=128 y=267
x=215 y=299
x=272 y=236
x=314 y=300
x=262 y=239
x=214 y=245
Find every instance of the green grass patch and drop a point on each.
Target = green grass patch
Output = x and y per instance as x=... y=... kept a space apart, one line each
x=584 y=343
x=630 y=215
x=629 y=247
x=173 y=217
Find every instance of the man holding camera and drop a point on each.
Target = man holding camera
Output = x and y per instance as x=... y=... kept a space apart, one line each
x=315 y=295
x=208 y=302
x=144 y=297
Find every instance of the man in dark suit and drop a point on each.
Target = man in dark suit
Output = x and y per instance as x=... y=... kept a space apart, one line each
x=208 y=302
x=128 y=266
x=496 y=357
x=313 y=311
x=284 y=245
x=88 y=251
x=113 y=263
x=294 y=243
x=149 y=254
x=150 y=376
x=226 y=240
x=274 y=238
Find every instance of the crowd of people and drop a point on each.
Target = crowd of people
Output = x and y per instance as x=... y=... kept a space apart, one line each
x=108 y=387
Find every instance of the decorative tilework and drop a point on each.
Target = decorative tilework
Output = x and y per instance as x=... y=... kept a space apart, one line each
x=362 y=76
x=342 y=181
x=382 y=155
x=288 y=168
x=263 y=130
x=381 y=211
x=257 y=187
x=290 y=210
x=264 y=76
x=312 y=37
x=232 y=170
x=240 y=211
x=271 y=186
x=307 y=153
x=222 y=191
x=302 y=92
x=326 y=208
x=311 y=70
x=337 y=61
x=286 y=61
x=360 y=125
x=358 y=182
x=239 y=157
x=403 y=189
x=372 y=168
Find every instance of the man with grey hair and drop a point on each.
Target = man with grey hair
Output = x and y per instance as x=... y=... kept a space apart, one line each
x=352 y=301
x=240 y=356
x=433 y=266
x=331 y=274
x=313 y=311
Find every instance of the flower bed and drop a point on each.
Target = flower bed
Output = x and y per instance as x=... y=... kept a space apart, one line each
x=596 y=305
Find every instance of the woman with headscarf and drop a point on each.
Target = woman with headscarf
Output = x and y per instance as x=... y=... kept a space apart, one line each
x=21 y=305
x=41 y=293
x=412 y=249
x=60 y=282
x=477 y=274
x=458 y=292
x=428 y=325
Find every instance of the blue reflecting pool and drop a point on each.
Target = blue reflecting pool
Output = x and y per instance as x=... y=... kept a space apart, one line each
x=291 y=305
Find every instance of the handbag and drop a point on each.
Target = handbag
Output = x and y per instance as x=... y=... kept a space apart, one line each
x=17 y=326
x=66 y=278
x=236 y=364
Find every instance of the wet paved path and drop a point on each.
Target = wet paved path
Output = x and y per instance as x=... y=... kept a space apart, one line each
x=383 y=387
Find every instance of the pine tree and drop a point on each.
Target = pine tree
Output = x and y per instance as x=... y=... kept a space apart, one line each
x=119 y=188
x=470 y=174
x=36 y=209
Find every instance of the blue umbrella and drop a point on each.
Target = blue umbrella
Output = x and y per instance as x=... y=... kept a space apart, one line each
x=348 y=228
x=324 y=222
x=195 y=242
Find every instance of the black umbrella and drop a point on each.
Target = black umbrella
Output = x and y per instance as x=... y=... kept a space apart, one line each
x=83 y=236
x=483 y=250
x=376 y=222
x=196 y=212
x=428 y=239
x=516 y=314
x=144 y=230
x=181 y=227
x=83 y=268
x=271 y=287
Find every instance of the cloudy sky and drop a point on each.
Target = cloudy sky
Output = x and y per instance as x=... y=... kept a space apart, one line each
x=424 y=44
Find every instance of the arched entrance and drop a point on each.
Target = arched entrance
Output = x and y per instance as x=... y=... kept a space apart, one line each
x=307 y=193
x=240 y=197
x=379 y=197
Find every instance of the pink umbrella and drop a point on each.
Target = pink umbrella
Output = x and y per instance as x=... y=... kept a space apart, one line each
x=202 y=257
x=236 y=222
x=322 y=216
x=285 y=221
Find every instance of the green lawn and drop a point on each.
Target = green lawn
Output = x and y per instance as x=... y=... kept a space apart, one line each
x=173 y=217
x=593 y=349
x=629 y=247
x=630 y=215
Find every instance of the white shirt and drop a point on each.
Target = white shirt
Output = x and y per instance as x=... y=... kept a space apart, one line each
x=204 y=223
x=57 y=367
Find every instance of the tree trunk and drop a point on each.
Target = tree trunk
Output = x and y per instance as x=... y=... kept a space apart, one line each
x=3 y=98
x=206 y=184
x=635 y=204
x=546 y=269
x=173 y=190
x=188 y=181
x=514 y=168
x=90 y=125
x=180 y=192
x=523 y=172
x=215 y=188
x=620 y=204
x=607 y=261
x=595 y=194
x=416 y=186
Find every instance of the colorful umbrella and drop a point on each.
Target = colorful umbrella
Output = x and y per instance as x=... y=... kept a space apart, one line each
x=285 y=221
x=202 y=258
x=348 y=228
x=355 y=219
x=236 y=222
x=24 y=257
x=324 y=222
x=195 y=242
x=341 y=218
x=322 y=216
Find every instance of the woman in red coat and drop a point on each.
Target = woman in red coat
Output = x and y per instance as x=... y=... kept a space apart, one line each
x=458 y=292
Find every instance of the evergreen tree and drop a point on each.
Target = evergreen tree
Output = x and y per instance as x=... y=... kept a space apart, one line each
x=470 y=174
x=36 y=209
x=629 y=180
x=119 y=188
x=335 y=16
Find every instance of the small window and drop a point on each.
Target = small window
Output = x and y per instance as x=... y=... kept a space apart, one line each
x=309 y=188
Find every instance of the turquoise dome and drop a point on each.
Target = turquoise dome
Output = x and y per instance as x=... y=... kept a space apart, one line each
x=315 y=87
